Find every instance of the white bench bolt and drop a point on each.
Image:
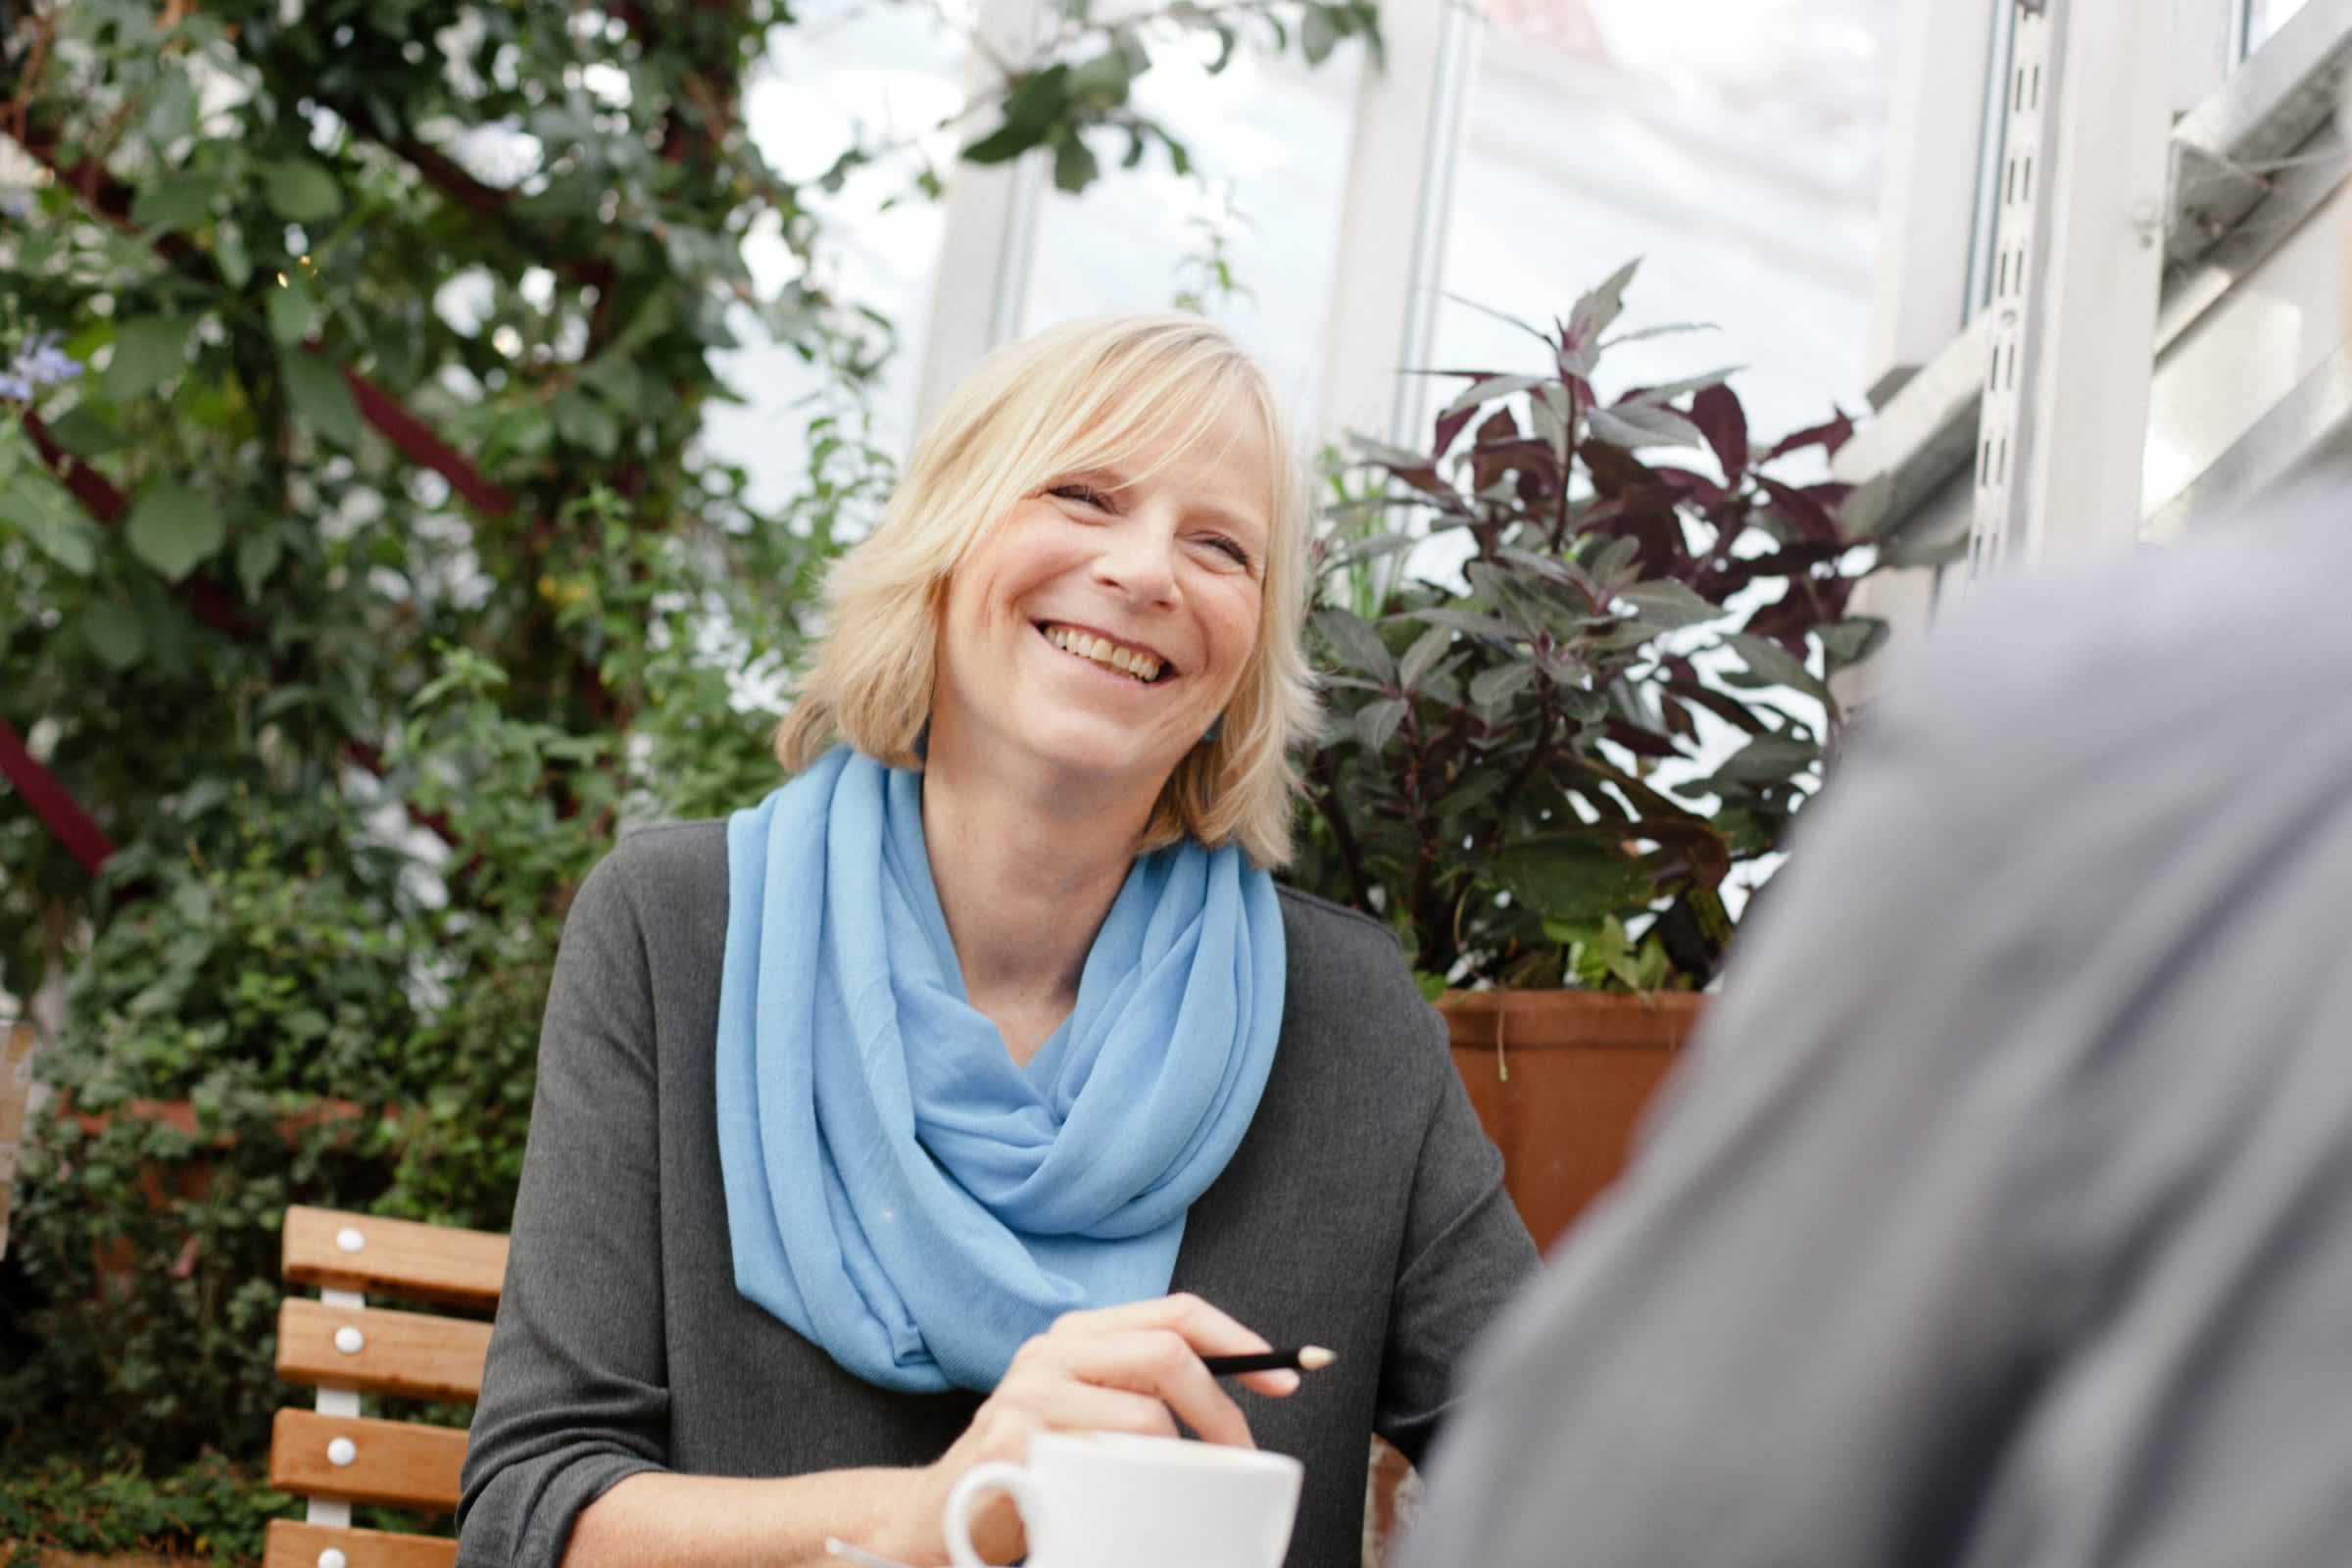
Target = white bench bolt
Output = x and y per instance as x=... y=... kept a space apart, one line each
x=349 y=1239
x=331 y=1557
x=341 y=1451
x=349 y=1341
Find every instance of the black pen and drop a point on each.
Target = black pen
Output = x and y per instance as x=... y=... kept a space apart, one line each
x=1304 y=1358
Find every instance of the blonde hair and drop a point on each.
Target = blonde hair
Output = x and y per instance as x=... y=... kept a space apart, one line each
x=1127 y=392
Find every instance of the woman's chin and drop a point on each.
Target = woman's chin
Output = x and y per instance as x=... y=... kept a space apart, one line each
x=1090 y=755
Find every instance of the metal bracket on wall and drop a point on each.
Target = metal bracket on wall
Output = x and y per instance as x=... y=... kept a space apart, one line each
x=2013 y=327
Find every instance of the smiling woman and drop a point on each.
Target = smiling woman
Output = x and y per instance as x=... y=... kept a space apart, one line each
x=979 y=1082
x=1115 y=474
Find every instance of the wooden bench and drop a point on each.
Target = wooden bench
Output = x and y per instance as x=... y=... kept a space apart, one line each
x=343 y=1346
x=338 y=1343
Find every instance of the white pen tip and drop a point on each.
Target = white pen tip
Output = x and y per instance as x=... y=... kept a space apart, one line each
x=1314 y=1359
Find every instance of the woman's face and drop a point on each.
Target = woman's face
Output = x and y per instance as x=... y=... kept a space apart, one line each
x=1105 y=623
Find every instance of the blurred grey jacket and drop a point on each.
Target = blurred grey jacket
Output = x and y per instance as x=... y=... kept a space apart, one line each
x=2003 y=1216
x=1363 y=1211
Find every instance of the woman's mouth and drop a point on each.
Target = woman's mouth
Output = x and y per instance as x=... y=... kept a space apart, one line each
x=1136 y=665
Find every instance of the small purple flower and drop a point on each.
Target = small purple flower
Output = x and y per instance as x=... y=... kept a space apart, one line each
x=39 y=363
x=43 y=364
x=17 y=206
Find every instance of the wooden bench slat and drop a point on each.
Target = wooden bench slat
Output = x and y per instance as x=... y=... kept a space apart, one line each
x=412 y=1354
x=295 y=1544
x=396 y=1462
x=396 y=1258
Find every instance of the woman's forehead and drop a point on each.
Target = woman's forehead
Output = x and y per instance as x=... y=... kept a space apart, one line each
x=1224 y=449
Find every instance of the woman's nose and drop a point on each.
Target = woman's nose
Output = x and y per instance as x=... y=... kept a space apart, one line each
x=1138 y=560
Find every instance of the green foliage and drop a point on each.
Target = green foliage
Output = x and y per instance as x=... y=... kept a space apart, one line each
x=373 y=580
x=1546 y=773
x=212 y=1510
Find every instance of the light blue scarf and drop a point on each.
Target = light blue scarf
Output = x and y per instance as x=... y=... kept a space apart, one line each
x=899 y=1190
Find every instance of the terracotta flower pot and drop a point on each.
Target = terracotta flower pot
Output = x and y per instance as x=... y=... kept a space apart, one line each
x=1561 y=1079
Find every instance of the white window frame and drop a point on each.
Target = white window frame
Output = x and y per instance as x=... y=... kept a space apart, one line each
x=991 y=225
x=2223 y=225
x=1927 y=203
x=1384 y=292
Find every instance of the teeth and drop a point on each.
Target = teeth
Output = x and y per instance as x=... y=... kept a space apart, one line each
x=1102 y=651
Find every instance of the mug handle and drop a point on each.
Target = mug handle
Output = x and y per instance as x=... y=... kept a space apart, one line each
x=996 y=1475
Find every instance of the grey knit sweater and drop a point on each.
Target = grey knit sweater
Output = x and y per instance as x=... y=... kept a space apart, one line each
x=1363 y=1211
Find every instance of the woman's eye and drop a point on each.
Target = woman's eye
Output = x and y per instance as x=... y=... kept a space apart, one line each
x=1084 y=494
x=1239 y=556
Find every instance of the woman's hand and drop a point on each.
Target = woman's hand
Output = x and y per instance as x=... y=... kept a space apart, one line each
x=1133 y=1368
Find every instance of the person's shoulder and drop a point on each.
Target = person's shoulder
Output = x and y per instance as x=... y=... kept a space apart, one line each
x=668 y=852
x=660 y=865
x=1332 y=933
x=1349 y=978
x=2089 y=673
x=2210 y=615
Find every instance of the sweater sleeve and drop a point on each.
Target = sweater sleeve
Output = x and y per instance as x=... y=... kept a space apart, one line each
x=574 y=1392
x=1466 y=1251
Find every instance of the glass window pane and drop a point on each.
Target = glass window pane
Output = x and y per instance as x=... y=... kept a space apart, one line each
x=1732 y=145
x=846 y=73
x=2266 y=16
x=1269 y=138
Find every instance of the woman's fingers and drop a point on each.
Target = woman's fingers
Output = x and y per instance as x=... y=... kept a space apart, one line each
x=1162 y=1363
x=1208 y=1331
x=1066 y=1403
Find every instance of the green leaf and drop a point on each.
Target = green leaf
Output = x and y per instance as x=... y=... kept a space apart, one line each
x=293 y=313
x=582 y=420
x=616 y=379
x=115 y=633
x=1493 y=628
x=1852 y=640
x=1487 y=388
x=174 y=203
x=1105 y=79
x=172 y=114
x=85 y=432
x=1593 y=313
x=1485 y=783
x=1359 y=646
x=1035 y=104
x=149 y=350
x=257 y=558
x=1668 y=603
x=230 y=255
x=1317 y=35
x=1074 y=165
x=1375 y=722
x=1770 y=662
x=1574 y=876
x=1633 y=425
x=1491 y=688
x=1768 y=760
x=1427 y=649
x=173 y=529
x=36 y=505
x=300 y=190
x=319 y=396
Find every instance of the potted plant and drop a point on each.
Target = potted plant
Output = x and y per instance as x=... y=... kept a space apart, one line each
x=1560 y=772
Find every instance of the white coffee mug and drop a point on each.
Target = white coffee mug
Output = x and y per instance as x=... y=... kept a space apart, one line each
x=1105 y=1500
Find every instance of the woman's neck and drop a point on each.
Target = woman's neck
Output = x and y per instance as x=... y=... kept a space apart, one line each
x=1026 y=878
